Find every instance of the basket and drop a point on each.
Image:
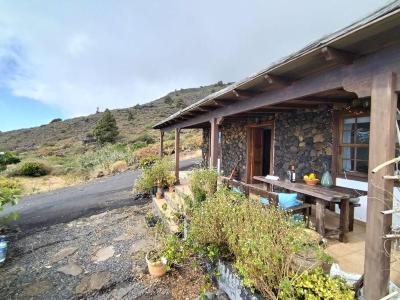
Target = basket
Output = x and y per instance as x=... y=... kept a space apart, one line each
x=311 y=181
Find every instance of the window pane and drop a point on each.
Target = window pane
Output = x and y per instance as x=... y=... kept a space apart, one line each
x=348 y=137
x=348 y=153
x=348 y=165
x=362 y=153
x=362 y=166
x=362 y=133
x=349 y=124
x=363 y=120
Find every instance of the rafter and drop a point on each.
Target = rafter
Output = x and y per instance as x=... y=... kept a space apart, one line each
x=277 y=80
x=338 y=56
x=243 y=93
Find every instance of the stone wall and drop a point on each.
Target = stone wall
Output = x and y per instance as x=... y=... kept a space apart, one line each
x=205 y=147
x=302 y=138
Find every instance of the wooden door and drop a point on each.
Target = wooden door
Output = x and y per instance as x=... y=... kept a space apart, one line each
x=255 y=148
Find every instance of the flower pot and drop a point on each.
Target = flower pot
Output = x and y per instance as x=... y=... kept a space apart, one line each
x=308 y=260
x=156 y=269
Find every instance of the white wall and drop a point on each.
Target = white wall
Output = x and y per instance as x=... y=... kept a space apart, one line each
x=360 y=213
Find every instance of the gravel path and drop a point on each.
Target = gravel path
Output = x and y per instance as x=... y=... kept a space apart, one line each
x=100 y=257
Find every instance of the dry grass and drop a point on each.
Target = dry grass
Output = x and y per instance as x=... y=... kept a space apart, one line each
x=34 y=185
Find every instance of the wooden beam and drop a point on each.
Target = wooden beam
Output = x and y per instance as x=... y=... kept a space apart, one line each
x=380 y=191
x=177 y=149
x=214 y=143
x=243 y=93
x=338 y=56
x=161 y=143
x=355 y=78
x=277 y=80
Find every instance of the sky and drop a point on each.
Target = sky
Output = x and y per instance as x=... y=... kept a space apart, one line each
x=60 y=59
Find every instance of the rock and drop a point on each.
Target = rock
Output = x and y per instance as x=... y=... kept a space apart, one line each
x=63 y=253
x=71 y=269
x=37 y=288
x=103 y=254
x=100 y=174
x=318 y=138
x=96 y=281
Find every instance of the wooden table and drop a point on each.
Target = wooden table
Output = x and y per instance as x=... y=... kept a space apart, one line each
x=322 y=195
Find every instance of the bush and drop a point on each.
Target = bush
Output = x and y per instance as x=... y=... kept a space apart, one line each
x=106 y=129
x=156 y=175
x=203 y=183
x=148 y=161
x=105 y=156
x=31 y=169
x=316 y=285
x=145 y=138
x=10 y=191
x=55 y=120
x=138 y=145
x=8 y=158
x=261 y=241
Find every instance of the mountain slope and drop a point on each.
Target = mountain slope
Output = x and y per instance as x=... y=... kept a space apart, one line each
x=132 y=122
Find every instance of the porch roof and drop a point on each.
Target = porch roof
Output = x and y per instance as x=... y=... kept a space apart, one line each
x=364 y=37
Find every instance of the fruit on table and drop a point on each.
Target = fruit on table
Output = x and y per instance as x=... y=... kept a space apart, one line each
x=310 y=176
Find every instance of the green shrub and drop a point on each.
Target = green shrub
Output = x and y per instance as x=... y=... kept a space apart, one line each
x=261 y=241
x=31 y=169
x=105 y=156
x=138 y=145
x=147 y=161
x=146 y=138
x=203 y=183
x=106 y=129
x=156 y=175
x=8 y=158
x=316 y=285
x=10 y=191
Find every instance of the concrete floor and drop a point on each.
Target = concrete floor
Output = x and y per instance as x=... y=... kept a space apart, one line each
x=350 y=255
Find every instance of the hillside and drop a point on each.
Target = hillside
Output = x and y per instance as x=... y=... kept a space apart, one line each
x=132 y=122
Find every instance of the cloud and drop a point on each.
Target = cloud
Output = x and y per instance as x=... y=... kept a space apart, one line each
x=79 y=55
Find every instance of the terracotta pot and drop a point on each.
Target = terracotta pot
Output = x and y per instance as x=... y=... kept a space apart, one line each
x=156 y=269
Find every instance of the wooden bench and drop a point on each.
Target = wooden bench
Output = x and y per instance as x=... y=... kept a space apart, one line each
x=303 y=208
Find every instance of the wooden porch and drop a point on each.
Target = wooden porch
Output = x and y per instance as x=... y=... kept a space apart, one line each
x=358 y=64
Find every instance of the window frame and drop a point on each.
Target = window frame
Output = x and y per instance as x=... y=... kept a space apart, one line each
x=354 y=175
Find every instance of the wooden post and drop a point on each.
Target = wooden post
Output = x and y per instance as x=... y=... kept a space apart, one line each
x=161 y=143
x=177 y=149
x=214 y=144
x=380 y=191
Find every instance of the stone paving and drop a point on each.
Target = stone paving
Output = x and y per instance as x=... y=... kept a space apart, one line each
x=100 y=257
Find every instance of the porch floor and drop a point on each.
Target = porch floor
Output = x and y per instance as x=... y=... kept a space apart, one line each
x=350 y=255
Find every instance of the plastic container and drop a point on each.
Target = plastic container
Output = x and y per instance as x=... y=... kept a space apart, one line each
x=3 y=248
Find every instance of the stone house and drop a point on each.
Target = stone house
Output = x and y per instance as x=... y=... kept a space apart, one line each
x=330 y=106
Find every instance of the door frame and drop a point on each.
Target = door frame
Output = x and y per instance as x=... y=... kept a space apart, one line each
x=249 y=153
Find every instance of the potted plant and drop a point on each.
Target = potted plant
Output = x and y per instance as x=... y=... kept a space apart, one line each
x=156 y=262
x=170 y=182
x=159 y=192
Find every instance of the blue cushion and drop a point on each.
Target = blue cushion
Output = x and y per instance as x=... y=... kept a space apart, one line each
x=264 y=201
x=287 y=200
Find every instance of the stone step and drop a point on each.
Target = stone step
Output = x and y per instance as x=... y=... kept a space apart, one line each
x=166 y=213
x=183 y=190
x=175 y=201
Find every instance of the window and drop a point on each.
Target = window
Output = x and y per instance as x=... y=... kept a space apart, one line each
x=353 y=145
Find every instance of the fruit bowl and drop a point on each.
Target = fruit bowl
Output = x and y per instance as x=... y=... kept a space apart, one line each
x=311 y=181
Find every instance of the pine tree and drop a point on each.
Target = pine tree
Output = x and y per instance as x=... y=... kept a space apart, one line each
x=106 y=129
